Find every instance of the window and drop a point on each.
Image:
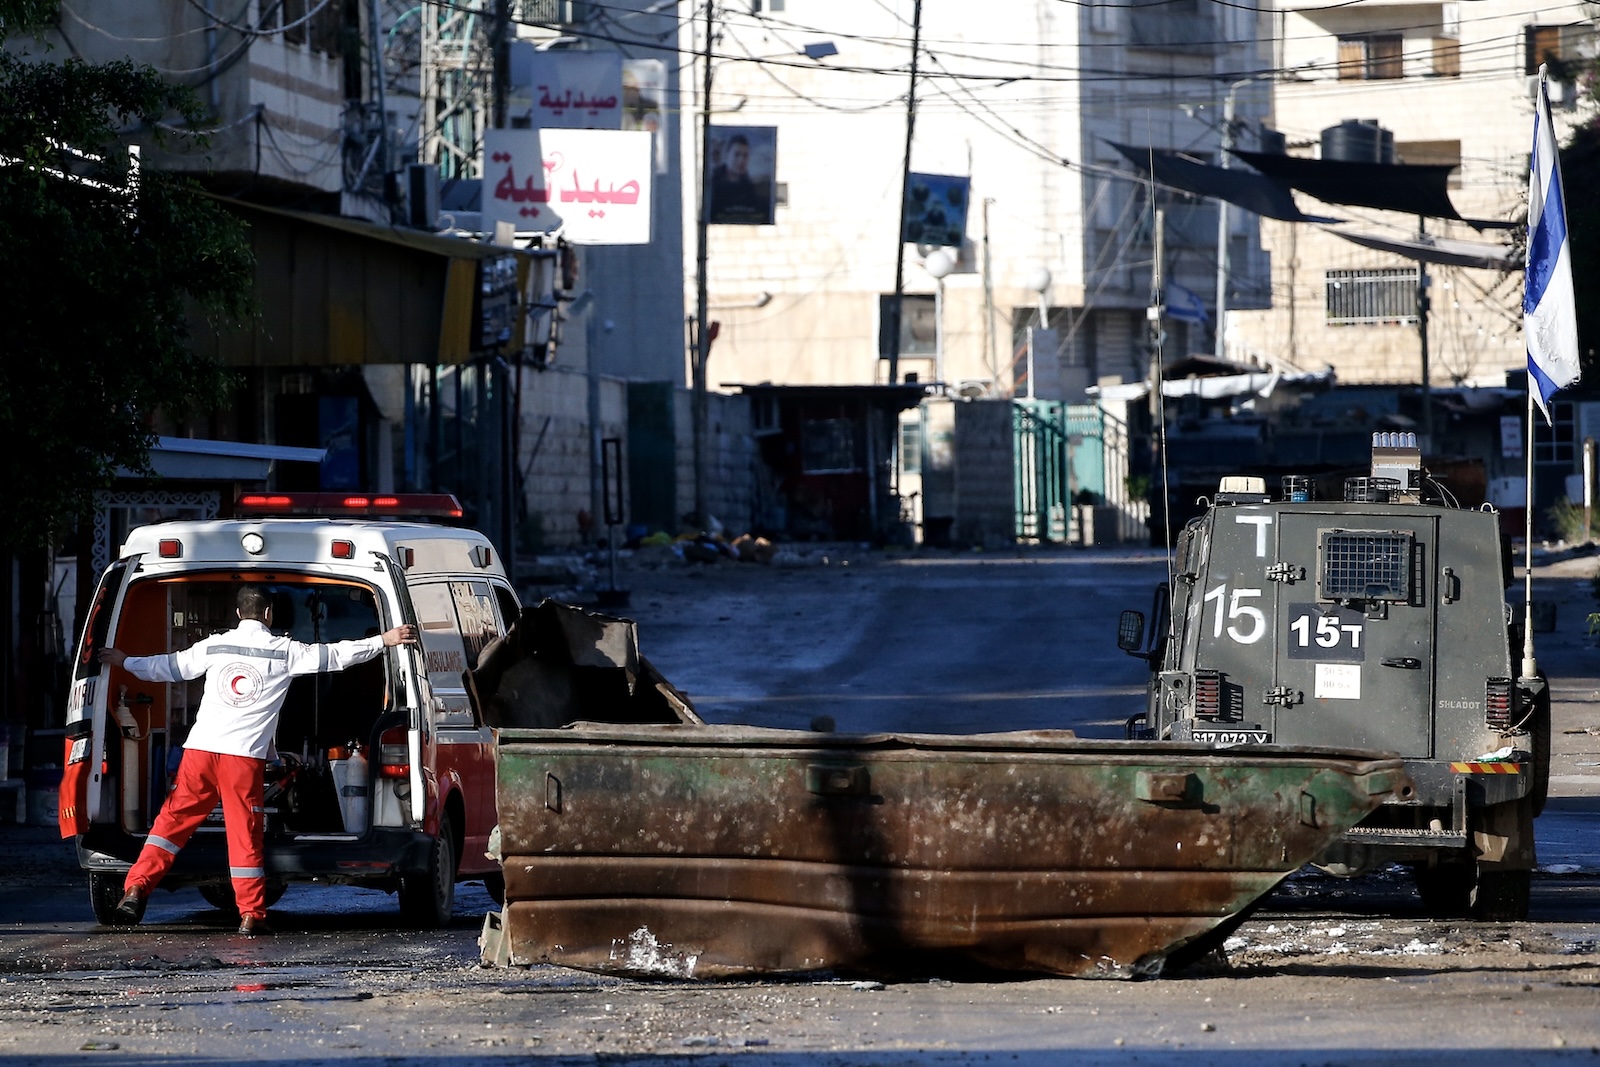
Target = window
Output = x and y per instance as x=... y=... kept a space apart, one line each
x=444 y=653
x=1365 y=566
x=828 y=446
x=1370 y=57
x=294 y=13
x=1446 y=57
x=1554 y=443
x=475 y=610
x=1564 y=48
x=1372 y=297
x=911 y=447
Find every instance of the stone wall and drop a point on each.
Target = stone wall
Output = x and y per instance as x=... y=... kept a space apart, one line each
x=985 y=503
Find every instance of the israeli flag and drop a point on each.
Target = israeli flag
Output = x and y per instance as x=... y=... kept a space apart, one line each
x=1185 y=305
x=1549 y=318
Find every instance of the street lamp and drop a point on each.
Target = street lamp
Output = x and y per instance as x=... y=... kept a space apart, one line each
x=1038 y=280
x=938 y=263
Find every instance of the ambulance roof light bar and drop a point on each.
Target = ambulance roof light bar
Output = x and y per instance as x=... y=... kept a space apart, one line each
x=350 y=505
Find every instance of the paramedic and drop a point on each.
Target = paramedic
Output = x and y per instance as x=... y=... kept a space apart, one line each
x=247 y=671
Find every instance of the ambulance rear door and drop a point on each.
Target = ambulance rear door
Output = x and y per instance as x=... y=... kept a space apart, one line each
x=83 y=800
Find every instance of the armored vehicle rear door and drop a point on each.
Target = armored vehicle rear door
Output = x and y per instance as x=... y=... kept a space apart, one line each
x=1354 y=656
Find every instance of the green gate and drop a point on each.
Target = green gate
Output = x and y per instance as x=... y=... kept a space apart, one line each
x=1058 y=452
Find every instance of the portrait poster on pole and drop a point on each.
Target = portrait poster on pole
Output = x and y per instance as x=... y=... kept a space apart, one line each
x=742 y=165
x=936 y=209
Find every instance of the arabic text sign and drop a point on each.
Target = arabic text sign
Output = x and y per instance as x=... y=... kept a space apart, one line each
x=593 y=184
x=566 y=90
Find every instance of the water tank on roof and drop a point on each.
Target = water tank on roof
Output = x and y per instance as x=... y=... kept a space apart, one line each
x=1272 y=142
x=1358 y=141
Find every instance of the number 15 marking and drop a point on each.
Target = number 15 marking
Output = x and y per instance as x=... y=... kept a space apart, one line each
x=1237 y=612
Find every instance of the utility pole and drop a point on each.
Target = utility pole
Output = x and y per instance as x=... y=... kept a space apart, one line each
x=702 y=333
x=988 y=302
x=1422 y=337
x=500 y=53
x=1222 y=228
x=892 y=328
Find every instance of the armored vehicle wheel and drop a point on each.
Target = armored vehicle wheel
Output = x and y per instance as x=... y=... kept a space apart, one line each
x=1501 y=895
x=1539 y=739
x=1447 y=889
x=427 y=898
x=220 y=895
x=105 y=890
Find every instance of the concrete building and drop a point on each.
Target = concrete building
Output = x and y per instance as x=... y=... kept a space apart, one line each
x=1451 y=83
x=1027 y=100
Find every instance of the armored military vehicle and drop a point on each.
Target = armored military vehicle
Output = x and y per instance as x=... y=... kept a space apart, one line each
x=1377 y=621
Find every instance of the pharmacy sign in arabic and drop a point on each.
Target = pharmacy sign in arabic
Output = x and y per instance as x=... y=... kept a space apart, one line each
x=566 y=90
x=593 y=185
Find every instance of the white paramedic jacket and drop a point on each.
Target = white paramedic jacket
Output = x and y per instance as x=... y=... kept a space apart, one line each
x=248 y=670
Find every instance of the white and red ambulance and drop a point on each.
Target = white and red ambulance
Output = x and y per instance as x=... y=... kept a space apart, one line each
x=384 y=775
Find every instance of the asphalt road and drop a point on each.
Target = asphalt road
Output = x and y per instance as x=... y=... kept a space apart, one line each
x=1329 y=971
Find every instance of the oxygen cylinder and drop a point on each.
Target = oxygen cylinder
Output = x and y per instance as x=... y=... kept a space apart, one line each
x=353 y=793
x=132 y=793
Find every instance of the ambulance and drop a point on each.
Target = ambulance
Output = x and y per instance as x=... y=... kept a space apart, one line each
x=384 y=773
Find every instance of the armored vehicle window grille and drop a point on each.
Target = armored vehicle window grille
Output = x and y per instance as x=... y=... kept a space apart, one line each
x=1366 y=566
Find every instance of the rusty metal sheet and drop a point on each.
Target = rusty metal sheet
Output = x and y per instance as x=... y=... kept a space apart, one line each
x=558 y=664
x=703 y=851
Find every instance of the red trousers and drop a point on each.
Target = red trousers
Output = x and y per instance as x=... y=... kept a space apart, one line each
x=202 y=778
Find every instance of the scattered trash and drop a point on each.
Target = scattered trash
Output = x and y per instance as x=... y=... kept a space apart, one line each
x=99 y=1046
x=865 y=987
x=1559 y=868
x=701 y=1041
x=1208 y=1028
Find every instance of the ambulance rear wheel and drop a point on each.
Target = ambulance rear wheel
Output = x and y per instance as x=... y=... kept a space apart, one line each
x=428 y=897
x=105 y=892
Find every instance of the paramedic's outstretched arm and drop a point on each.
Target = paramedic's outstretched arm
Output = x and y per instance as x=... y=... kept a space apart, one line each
x=190 y=663
x=315 y=659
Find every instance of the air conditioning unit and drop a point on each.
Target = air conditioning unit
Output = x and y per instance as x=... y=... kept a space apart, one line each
x=554 y=12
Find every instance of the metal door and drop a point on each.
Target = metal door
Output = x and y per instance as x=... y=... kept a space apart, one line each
x=1354 y=633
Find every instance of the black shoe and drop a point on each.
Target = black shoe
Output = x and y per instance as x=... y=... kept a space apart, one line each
x=131 y=908
x=253 y=926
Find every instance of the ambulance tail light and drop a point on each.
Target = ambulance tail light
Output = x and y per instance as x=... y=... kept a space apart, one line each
x=394 y=754
x=344 y=550
x=170 y=548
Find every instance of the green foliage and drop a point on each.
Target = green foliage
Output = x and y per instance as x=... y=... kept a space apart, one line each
x=95 y=282
x=1566 y=518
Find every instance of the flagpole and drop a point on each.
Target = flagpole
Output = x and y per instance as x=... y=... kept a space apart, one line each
x=1530 y=665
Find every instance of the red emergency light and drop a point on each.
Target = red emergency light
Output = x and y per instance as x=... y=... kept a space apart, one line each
x=351 y=505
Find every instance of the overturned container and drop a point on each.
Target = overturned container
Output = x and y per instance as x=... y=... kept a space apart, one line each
x=698 y=851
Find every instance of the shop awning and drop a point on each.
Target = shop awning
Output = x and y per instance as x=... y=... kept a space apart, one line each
x=333 y=291
x=199 y=459
x=1245 y=188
